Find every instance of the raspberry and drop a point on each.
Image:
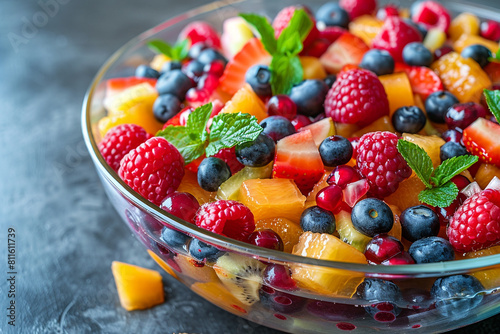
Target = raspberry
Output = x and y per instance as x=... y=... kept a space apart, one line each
x=357 y=96
x=203 y=32
x=381 y=163
x=229 y=157
x=154 y=169
x=229 y=218
x=119 y=141
x=357 y=8
x=432 y=15
x=476 y=224
x=282 y=19
x=394 y=36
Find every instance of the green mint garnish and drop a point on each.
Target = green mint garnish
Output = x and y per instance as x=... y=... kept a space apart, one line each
x=286 y=69
x=227 y=130
x=440 y=191
x=176 y=52
x=496 y=57
x=493 y=101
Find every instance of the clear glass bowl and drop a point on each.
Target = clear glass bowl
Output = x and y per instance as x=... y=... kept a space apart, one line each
x=301 y=311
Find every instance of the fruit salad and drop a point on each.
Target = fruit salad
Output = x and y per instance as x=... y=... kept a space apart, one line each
x=355 y=133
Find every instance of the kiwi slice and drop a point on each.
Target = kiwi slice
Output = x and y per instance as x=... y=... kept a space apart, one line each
x=348 y=233
x=230 y=189
x=241 y=275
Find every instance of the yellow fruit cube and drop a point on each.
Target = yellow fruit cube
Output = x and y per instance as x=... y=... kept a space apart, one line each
x=313 y=69
x=398 y=89
x=464 y=24
x=246 y=101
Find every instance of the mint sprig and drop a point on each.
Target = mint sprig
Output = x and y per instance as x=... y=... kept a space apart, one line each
x=493 y=101
x=286 y=69
x=176 y=52
x=440 y=191
x=227 y=130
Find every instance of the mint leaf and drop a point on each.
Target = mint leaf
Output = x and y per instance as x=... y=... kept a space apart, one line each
x=189 y=146
x=197 y=121
x=493 y=101
x=451 y=167
x=230 y=129
x=265 y=30
x=286 y=71
x=300 y=24
x=441 y=196
x=160 y=46
x=178 y=52
x=291 y=46
x=417 y=159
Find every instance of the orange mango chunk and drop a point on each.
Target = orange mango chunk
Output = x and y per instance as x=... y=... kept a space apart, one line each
x=247 y=102
x=398 y=89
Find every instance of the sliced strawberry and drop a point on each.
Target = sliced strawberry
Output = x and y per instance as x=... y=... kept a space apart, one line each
x=482 y=138
x=347 y=49
x=117 y=85
x=297 y=158
x=432 y=15
x=252 y=53
x=423 y=80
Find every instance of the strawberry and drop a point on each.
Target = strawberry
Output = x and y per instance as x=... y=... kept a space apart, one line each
x=117 y=85
x=282 y=19
x=200 y=31
x=476 y=224
x=432 y=15
x=347 y=49
x=331 y=33
x=423 y=80
x=357 y=8
x=482 y=138
x=252 y=53
x=297 y=158
x=317 y=48
x=394 y=35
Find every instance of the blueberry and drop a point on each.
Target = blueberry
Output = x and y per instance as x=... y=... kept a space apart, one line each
x=409 y=119
x=479 y=53
x=431 y=249
x=143 y=71
x=257 y=153
x=212 y=172
x=457 y=295
x=280 y=301
x=331 y=14
x=450 y=150
x=383 y=296
x=317 y=220
x=259 y=78
x=203 y=252
x=207 y=56
x=309 y=96
x=416 y=54
x=195 y=50
x=277 y=127
x=173 y=238
x=419 y=222
x=379 y=62
x=165 y=107
x=174 y=82
x=372 y=216
x=193 y=69
x=418 y=26
x=335 y=151
x=438 y=103
x=330 y=80
x=170 y=66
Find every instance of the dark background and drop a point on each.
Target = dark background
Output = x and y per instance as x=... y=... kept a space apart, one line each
x=67 y=233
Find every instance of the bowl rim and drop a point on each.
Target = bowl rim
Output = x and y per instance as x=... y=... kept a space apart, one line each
x=413 y=270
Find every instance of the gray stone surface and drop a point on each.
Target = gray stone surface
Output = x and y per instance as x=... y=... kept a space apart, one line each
x=67 y=233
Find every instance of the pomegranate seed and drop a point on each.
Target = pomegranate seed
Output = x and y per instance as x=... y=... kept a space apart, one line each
x=460 y=181
x=401 y=258
x=300 y=121
x=353 y=192
x=342 y=176
x=282 y=105
x=354 y=142
x=462 y=115
x=329 y=198
x=181 y=205
x=490 y=30
x=216 y=68
x=278 y=276
x=266 y=238
x=382 y=247
x=453 y=135
x=197 y=96
x=442 y=51
x=208 y=82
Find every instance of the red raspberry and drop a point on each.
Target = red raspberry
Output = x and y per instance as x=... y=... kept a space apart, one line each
x=200 y=31
x=381 y=163
x=154 y=169
x=119 y=141
x=229 y=157
x=432 y=15
x=282 y=19
x=394 y=36
x=490 y=30
x=476 y=224
x=357 y=8
x=357 y=96
x=229 y=218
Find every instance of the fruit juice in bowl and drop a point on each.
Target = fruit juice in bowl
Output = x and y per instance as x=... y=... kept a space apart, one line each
x=312 y=168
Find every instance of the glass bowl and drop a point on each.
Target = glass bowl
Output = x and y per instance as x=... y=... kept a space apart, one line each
x=301 y=310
